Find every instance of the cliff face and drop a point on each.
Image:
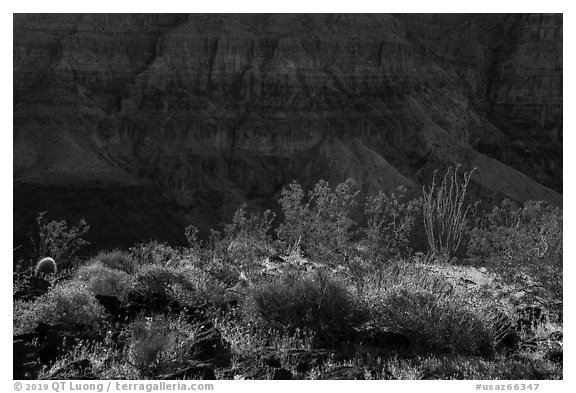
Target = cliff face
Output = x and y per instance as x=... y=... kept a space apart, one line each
x=214 y=110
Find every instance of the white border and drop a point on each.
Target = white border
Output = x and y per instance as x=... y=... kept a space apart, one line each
x=300 y=6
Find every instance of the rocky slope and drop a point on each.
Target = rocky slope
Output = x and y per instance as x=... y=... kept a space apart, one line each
x=204 y=112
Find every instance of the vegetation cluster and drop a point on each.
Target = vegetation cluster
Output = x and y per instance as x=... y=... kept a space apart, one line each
x=332 y=287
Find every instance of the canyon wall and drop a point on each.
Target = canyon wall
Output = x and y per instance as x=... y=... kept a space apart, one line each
x=188 y=116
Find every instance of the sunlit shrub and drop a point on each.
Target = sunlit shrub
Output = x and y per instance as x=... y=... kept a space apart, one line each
x=523 y=244
x=249 y=337
x=434 y=315
x=116 y=259
x=317 y=302
x=160 y=344
x=69 y=304
x=434 y=322
x=390 y=219
x=155 y=253
x=58 y=241
x=460 y=367
x=103 y=280
x=103 y=360
x=190 y=287
x=319 y=221
x=245 y=241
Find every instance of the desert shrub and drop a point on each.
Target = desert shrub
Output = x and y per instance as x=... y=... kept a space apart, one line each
x=523 y=244
x=433 y=322
x=160 y=344
x=101 y=360
x=163 y=254
x=223 y=272
x=116 y=259
x=188 y=286
x=317 y=302
x=319 y=221
x=155 y=253
x=103 y=280
x=444 y=212
x=428 y=310
x=250 y=338
x=58 y=241
x=148 y=347
x=191 y=232
x=20 y=317
x=198 y=252
x=69 y=304
x=507 y=369
x=157 y=281
x=470 y=368
x=245 y=241
x=390 y=218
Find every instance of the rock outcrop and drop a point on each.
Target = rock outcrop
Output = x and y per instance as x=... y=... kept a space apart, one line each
x=211 y=111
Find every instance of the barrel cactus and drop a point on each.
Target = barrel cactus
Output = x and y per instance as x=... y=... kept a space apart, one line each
x=46 y=266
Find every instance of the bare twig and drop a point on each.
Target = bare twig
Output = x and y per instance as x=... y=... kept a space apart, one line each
x=444 y=214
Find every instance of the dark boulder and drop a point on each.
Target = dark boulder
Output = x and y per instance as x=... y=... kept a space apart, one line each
x=45 y=344
x=113 y=306
x=391 y=341
x=25 y=360
x=210 y=346
x=270 y=360
x=556 y=336
x=555 y=356
x=54 y=340
x=510 y=341
x=32 y=288
x=281 y=374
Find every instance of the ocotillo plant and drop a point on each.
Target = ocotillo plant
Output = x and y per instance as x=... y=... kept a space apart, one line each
x=444 y=212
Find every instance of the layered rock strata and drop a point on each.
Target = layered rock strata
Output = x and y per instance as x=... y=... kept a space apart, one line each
x=211 y=111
